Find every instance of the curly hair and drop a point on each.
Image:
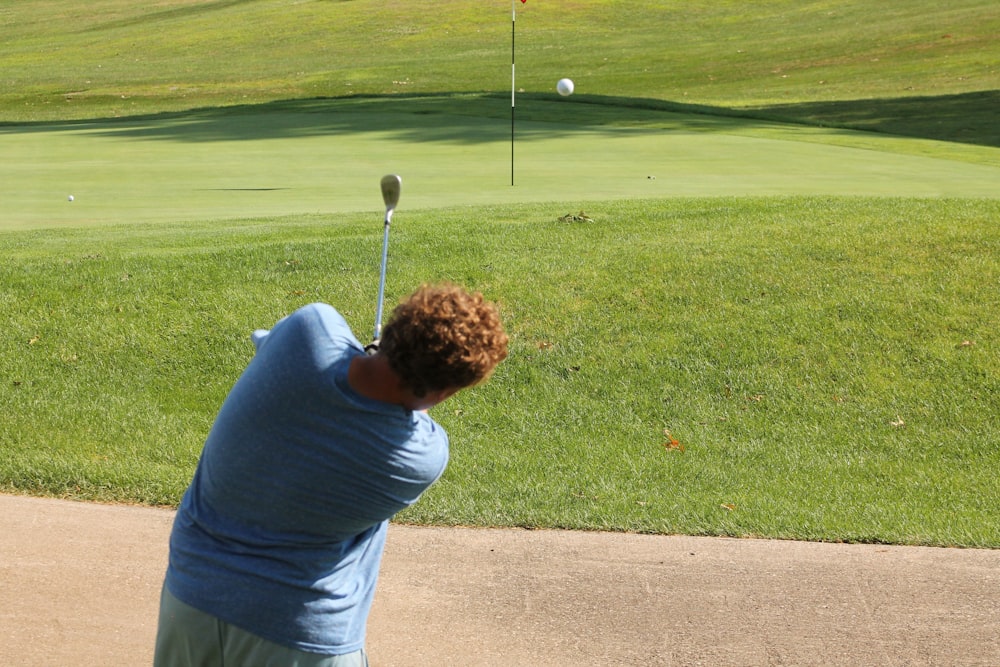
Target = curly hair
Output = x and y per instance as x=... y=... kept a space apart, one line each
x=443 y=337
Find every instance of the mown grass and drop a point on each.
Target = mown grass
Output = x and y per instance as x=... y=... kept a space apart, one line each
x=326 y=156
x=826 y=366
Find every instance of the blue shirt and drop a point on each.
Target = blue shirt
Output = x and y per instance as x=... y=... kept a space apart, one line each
x=282 y=529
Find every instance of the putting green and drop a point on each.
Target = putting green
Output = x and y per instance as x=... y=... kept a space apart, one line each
x=215 y=166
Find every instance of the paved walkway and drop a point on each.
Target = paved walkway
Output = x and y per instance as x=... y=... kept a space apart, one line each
x=79 y=585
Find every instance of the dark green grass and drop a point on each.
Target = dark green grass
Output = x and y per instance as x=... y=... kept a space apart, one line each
x=828 y=365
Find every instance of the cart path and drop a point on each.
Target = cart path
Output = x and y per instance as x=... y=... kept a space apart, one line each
x=79 y=586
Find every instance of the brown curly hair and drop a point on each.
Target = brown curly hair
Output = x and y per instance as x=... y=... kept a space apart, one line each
x=443 y=337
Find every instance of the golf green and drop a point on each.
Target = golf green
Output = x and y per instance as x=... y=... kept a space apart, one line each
x=212 y=165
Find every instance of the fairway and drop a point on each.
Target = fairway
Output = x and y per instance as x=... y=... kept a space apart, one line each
x=327 y=158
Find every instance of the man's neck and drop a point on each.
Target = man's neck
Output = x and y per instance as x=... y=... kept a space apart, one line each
x=372 y=377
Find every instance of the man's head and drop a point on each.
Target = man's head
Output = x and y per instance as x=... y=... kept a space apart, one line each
x=443 y=338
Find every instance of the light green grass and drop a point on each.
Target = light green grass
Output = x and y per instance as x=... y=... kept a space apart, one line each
x=828 y=364
x=327 y=156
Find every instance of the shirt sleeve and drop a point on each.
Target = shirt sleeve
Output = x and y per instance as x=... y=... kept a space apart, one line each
x=258 y=337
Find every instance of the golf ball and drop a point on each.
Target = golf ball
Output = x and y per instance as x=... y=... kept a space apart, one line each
x=70 y=198
x=565 y=87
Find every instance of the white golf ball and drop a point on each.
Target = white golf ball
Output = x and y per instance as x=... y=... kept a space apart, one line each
x=70 y=198
x=565 y=87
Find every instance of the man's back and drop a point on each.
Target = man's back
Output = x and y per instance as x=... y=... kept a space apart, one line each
x=282 y=529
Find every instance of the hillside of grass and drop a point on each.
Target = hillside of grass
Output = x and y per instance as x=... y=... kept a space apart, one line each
x=809 y=368
x=919 y=68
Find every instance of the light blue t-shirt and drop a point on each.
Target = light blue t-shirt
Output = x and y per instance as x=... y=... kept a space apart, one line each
x=282 y=529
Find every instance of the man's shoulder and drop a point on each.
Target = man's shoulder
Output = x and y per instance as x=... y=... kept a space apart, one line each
x=322 y=315
x=308 y=326
x=318 y=309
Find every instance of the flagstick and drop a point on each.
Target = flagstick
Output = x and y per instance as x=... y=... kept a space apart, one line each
x=513 y=21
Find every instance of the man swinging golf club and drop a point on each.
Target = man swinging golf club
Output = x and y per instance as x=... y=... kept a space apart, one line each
x=276 y=545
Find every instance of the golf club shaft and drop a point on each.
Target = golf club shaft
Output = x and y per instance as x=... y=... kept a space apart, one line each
x=390 y=185
x=381 y=282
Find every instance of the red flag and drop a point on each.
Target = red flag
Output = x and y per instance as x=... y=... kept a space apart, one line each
x=523 y=1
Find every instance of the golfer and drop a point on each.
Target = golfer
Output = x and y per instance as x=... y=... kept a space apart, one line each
x=276 y=546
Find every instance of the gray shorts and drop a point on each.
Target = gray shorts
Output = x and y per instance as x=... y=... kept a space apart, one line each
x=187 y=637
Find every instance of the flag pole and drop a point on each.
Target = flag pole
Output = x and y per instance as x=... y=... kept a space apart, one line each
x=513 y=21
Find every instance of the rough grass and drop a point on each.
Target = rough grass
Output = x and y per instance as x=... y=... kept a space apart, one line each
x=917 y=68
x=813 y=368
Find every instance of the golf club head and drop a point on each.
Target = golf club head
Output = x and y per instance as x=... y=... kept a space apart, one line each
x=391 y=185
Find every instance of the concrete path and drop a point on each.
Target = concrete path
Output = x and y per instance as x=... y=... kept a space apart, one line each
x=79 y=585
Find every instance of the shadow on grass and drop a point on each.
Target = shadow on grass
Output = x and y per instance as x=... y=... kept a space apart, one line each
x=156 y=16
x=475 y=118
x=969 y=118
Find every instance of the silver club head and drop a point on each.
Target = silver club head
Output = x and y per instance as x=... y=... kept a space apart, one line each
x=391 y=185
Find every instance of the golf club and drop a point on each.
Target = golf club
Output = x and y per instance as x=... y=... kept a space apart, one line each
x=390 y=195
